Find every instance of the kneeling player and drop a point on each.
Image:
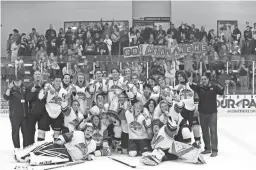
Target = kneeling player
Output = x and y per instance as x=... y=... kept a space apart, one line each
x=166 y=109
x=71 y=146
x=166 y=148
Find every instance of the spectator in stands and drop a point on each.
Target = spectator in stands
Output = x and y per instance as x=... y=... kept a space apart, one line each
x=228 y=34
x=96 y=39
x=151 y=39
x=161 y=31
x=211 y=37
x=14 y=50
x=221 y=35
x=173 y=30
x=19 y=66
x=8 y=46
x=50 y=34
x=235 y=54
x=254 y=32
x=35 y=66
x=236 y=35
x=86 y=68
x=160 y=40
x=137 y=39
x=60 y=39
x=202 y=33
x=194 y=31
x=52 y=48
x=63 y=51
x=107 y=30
x=34 y=50
x=45 y=72
x=69 y=35
x=34 y=35
x=146 y=33
x=243 y=75
x=89 y=48
x=41 y=55
x=247 y=50
x=115 y=37
x=42 y=42
x=102 y=47
x=16 y=36
x=108 y=41
x=248 y=34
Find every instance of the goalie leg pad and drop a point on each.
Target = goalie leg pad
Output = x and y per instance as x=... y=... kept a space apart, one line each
x=154 y=158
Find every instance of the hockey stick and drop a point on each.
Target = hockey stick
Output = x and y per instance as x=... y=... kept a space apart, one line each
x=132 y=166
x=66 y=165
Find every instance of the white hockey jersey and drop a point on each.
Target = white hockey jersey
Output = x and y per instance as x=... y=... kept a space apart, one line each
x=100 y=134
x=158 y=92
x=54 y=102
x=136 y=128
x=82 y=96
x=78 y=147
x=72 y=120
x=163 y=118
x=99 y=87
x=186 y=94
x=115 y=88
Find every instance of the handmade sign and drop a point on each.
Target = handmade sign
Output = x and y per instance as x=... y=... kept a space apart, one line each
x=164 y=51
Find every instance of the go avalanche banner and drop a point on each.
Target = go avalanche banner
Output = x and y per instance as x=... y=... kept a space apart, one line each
x=164 y=51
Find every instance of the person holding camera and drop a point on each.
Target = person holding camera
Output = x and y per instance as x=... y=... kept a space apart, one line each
x=37 y=112
x=18 y=111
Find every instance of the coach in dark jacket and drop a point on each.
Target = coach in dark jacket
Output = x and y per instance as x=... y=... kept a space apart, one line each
x=18 y=109
x=207 y=108
x=37 y=112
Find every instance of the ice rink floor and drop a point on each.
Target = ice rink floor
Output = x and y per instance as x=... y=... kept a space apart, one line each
x=237 y=150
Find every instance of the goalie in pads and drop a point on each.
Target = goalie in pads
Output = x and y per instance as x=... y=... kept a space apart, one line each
x=166 y=148
x=72 y=146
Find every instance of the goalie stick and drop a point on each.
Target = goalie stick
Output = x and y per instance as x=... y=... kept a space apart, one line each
x=55 y=167
x=65 y=165
x=132 y=166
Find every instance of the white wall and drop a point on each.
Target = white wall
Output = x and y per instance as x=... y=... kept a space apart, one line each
x=207 y=13
x=151 y=8
x=32 y=14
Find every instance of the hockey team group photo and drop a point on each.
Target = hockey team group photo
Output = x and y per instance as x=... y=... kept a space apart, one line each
x=128 y=84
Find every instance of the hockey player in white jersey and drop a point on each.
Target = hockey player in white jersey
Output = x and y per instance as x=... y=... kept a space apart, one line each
x=139 y=128
x=162 y=90
x=56 y=100
x=115 y=84
x=147 y=94
x=98 y=85
x=100 y=135
x=166 y=109
x=166 y=148
x=72 y=117
x=80 y=93
x=100 y=106
x=72 y=146
x=186 y=94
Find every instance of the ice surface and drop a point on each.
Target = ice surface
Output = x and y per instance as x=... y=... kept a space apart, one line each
x=237 y=150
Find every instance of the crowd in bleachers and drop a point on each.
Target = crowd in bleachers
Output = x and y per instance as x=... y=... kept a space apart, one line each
x=51 y=52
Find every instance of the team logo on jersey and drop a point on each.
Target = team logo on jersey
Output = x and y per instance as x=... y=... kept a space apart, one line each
x=81 y=95
x=56 y=99
x=136 y=127
x=83 y=147
x=157 y=140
